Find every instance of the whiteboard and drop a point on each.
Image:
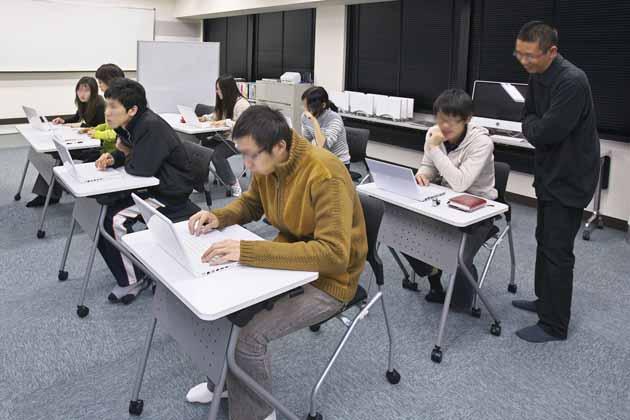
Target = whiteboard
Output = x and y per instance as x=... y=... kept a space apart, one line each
x=178 y=73
x=47 y=36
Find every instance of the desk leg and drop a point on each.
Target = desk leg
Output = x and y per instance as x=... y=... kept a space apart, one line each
x=595 y=221
x=63 y=275
x=218 y=390
x=18 y=195
x=495 y=328
x=436 y=354
x=136 y=405
x=40 y=231
x=82 y=310
x=251 y=383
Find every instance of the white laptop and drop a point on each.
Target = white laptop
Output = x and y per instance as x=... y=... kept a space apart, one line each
x=190 y=117
x=35 y=120
x=85 y=172
x=400 y=180
x=176 y=240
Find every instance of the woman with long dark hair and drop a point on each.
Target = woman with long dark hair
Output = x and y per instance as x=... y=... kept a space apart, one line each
x=229 y=105
x=322 y=125
x=90 y=105
x=90 y=112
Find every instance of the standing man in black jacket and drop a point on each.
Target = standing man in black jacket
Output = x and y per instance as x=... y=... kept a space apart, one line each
x=559 y=121
x=146 y=146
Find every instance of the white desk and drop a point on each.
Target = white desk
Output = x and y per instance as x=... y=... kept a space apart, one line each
x=420 y=121
x=443 y=212
x=193 y=311
x=41 y=143
x=436 y=235
x=174 y=120
x=90 y=214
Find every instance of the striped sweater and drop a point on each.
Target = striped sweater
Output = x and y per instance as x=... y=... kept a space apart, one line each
x=333 y=129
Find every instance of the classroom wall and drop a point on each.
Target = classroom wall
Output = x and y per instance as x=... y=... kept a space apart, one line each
x=53 y=92
x=330 y=46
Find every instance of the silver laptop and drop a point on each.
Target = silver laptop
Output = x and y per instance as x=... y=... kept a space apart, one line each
x=176 y=241
x=35 y=120
x=400 y=180
x=190 y=117
x=83 y=173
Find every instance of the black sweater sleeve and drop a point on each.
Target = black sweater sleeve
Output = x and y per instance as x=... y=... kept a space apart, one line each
x=563 y=115
x=147 y=154
x=74 y=119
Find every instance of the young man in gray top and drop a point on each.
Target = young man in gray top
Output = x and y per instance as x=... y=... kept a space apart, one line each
x=559 y=121
x=459 y=155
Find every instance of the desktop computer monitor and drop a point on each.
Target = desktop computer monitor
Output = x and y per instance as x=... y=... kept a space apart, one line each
x=498 y=105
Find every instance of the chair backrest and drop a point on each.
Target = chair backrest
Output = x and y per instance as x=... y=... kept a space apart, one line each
x=373 y=210
x=203 y=109
x=357 y=142
x=501 y=175
x=200 y=157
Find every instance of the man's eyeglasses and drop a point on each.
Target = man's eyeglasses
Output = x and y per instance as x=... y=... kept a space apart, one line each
x=252 y=157
x=527 y=57
x=448 y=121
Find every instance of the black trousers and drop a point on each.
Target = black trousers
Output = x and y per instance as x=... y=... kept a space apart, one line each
x=221 y=153
x=463 y=291
x=556 y=228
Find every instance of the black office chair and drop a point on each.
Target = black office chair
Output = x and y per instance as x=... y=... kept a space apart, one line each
x=203 y=109
x=373 y=212
x=496 y=235
x=357 y=144
x=200 y=157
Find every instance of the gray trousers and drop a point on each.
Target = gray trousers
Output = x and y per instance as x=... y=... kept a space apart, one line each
x=288 y=315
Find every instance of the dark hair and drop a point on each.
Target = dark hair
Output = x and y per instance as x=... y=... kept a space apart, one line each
x=317 y=100
x=128 y=92
x=265 y=125
x=87 y=110
x=224 y=108
x=454 y=102
x=536 y=31
x=108 y=72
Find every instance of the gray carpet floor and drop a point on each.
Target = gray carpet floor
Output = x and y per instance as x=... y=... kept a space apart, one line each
x=56 y=366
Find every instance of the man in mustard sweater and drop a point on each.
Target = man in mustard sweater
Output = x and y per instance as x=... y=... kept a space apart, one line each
x=307 y=194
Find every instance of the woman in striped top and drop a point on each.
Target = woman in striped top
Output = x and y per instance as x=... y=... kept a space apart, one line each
x=322 y=125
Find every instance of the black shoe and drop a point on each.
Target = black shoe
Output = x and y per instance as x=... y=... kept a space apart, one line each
x=526 y=305
x=435 y=296
x=40 y=200
x=536 y=334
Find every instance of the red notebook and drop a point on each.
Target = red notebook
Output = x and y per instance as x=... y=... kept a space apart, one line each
x=467 y=202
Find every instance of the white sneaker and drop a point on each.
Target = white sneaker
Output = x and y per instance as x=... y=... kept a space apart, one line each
x=235 y=189
x=201 y=394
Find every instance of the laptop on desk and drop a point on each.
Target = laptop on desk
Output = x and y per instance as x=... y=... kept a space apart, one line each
x=176 y=240
x=83 y=173
x=400 y=180
x=36 y=121
x=191 y=118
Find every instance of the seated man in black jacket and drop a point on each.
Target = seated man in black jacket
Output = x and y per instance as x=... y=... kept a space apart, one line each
x=146 y=146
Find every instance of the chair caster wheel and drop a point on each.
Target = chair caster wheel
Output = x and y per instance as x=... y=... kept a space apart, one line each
x=393 y=377
x=436 y=355
x=476 y=312
x=317 y=416
x=62 y=276
x=135 y=407
x=41 y=234
x=512 y=288
x=586 y=235
x=17 y=197
x=82 y=311
x=410 y=285
x=495 y=329
x=314 y=328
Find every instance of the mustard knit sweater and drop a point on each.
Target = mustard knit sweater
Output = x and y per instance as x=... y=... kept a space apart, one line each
x=312 y=201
